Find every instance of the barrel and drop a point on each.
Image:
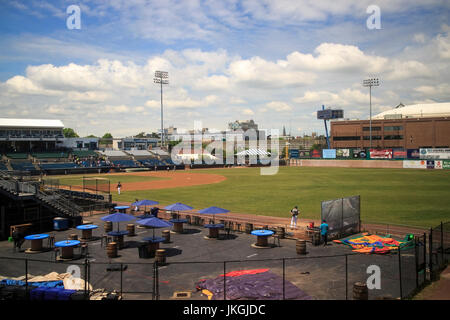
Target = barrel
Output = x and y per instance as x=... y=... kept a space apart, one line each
x=107 y=226
x=160 y=257
x=73 y=236
x=280 y=232
x=111 y=250
x=248 y=228
x=196 y=221
x=60 y=223
x=360 y=291
x=300 y=246
x=315 y=238
x=166 y=236
x=130 y=229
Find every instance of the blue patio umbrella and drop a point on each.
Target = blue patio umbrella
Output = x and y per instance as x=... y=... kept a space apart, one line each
x=144 y=203
x=213 y=211
x=178 y=207
x=154 y=223
x=118 y=217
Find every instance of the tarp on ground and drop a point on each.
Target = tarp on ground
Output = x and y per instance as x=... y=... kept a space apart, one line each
x=258 y=284
x=367 y=243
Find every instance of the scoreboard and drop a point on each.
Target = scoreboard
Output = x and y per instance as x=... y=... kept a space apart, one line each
x=330 y=114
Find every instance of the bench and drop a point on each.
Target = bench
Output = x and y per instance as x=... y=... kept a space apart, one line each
x=22 y=228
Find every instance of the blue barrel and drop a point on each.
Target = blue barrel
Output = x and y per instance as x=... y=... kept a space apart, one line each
x=60 y=223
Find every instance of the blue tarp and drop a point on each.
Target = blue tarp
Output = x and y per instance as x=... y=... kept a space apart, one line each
x=46 y=284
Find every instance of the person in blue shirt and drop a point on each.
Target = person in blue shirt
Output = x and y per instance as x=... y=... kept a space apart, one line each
x=324 y=232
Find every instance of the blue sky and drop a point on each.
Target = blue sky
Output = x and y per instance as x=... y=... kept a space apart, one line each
x=275 y=62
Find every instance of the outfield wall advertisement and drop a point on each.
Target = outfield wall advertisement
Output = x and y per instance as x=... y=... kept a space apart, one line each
x=434 y=153
x=426 y=164
x=381 y=153
x=329 y=153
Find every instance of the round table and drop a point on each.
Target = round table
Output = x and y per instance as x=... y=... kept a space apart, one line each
x=122 y=209
x=86 y=230
x=67 y=248
x=261 y=237
x=153 y=243
x=36 y=242
x=214 y=230
x=178 y=225
x=118 y=237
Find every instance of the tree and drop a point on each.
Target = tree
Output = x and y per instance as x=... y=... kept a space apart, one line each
x=91 y=136
x=140 y=135
x=107 y=136
x=70 y=133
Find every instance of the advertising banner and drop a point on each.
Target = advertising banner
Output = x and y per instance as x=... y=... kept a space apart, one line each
x=430 y=164
x=342 y=153
x=381 y=153
x=399 y=154
x=359 y=153
x=438 y=164
x=329 y=153
x=316 y=154
x=446 y=164
x=413 y=154
x=294 y=153
x=304 y=154
x=414 y=164
x=434 y=153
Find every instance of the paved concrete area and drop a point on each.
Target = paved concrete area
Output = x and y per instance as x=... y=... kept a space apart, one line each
x=191 y=257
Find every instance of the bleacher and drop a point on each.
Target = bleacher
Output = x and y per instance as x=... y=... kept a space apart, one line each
x=59 y=165
x=3 y=166
x=50 y=155
x=151 y=162
x=17 y=155
x=80 y=194
x=84 y=153
x=124 y=163
x=22 y=165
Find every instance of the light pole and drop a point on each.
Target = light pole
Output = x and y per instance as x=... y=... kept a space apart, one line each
x=373 y=82
x=161 y=77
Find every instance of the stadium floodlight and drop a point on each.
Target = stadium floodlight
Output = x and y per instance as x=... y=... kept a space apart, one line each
x=373 y=82
x=161 y=77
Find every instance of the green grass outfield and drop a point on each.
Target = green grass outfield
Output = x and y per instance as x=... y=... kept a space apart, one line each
x=395 y=196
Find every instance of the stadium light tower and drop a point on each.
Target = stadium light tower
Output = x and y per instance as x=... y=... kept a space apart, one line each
x=161 y=77
x=373 y=82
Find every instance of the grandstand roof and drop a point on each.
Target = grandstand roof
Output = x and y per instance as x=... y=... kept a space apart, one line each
x=31 y=123
x=423 y=110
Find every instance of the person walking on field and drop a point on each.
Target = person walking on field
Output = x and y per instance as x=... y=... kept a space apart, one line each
x=118 y=187
x=294 y=214
x=324 y=232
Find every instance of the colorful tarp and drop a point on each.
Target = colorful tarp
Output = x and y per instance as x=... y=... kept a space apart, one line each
x=366 y=243
x=256 y=284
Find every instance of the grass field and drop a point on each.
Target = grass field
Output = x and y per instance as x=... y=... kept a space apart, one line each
x=395 y=196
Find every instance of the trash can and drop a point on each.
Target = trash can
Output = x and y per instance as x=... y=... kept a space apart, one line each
x=143 y=251
x=60 y=223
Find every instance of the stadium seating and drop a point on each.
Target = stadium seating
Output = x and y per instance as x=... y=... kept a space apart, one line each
x=50 y=155
x=17 y=155
x=3 y=166
x=84 y=154
x=124 y=163
x=151 y=162
x=61 y=165
x=22 y=166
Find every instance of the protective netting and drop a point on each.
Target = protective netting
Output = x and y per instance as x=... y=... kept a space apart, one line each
x=342 y=215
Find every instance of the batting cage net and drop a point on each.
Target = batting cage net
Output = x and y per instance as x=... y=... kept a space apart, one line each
x=342 y=216
x=99 y=185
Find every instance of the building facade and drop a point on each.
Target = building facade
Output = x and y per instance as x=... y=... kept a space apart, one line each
x=406 y=133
